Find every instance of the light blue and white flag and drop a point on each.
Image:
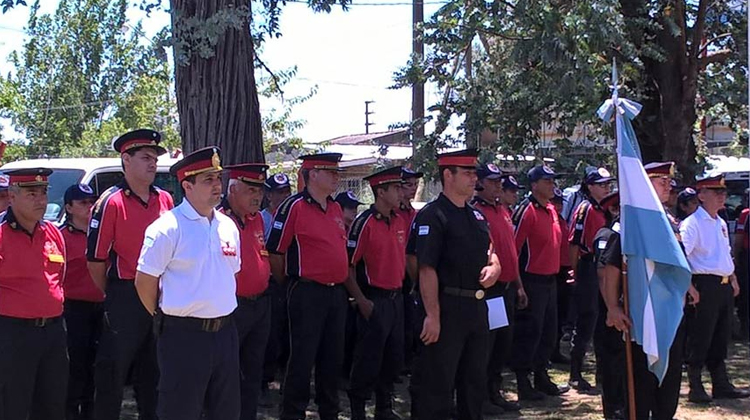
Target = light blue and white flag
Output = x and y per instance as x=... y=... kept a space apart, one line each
x=658 y=273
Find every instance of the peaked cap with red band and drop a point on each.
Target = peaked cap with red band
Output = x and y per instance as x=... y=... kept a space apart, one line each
x=138 y=138
x=252 y=173
x=386 y=176
x=325 y=161
x=462 y=158
x=659 y=169
x=198 y=162
x=28 y=177
x=715 y=182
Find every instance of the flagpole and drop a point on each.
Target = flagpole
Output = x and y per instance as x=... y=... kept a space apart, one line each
x=628 y=344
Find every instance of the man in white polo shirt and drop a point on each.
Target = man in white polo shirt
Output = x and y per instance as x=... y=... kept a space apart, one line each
x=706 y=240
x=191 y=254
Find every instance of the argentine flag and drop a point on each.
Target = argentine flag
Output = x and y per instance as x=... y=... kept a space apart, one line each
x=658 y=273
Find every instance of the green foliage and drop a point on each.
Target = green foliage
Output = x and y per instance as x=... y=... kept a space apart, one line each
x=533 y=64
x=84 y=76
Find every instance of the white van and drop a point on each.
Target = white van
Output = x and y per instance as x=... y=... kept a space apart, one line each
x=98 y=173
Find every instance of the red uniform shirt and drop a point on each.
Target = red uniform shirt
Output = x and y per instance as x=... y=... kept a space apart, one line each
x=252 y=279
x=377 y=246
x=78 y=284
x=407 y=213
x=564 y=243
x=538 y=237
x=118 y=223
x=313 y=239
x=743 y=229
x=501 y=230
x=589 y=218
x=32 y=267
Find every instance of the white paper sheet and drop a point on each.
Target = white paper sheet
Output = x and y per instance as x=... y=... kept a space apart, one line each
x=496 y=313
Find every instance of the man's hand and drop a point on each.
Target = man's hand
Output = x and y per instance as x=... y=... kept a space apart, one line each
x=365 y=308
x=430 y=330
x=735 y=285
x=523 y=300
x=693 y=296
x=489 y=274
x=617 y=318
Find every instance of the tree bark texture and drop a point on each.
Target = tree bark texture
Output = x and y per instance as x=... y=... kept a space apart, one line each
x=217 y=98
x=665 y=128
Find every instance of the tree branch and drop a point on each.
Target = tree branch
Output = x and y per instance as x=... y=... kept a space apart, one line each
x=716 y=57
x=711 y=41
x=698 y=30
x=275 y=78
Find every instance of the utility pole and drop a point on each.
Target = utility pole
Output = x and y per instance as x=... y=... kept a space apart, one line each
x=417 y=92
x=367 y=116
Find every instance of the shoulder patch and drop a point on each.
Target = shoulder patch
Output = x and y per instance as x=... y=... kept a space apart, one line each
x=424 y=230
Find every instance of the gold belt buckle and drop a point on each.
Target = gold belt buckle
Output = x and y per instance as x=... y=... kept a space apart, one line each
x=479 y=294
x=725 y=280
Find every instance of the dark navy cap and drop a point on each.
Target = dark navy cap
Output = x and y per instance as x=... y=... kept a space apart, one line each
x=407 y=173
x=511 y=183
x=488 y=171
x=686 y=195
x=78 y=192
x=558 y=196
x=597 y=176
x=4 y=182
x=137 y=139
x=278 y=181
x=541 y=172
x=348 y=200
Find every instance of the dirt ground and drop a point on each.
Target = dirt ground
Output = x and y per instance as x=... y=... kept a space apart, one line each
x=571 y=405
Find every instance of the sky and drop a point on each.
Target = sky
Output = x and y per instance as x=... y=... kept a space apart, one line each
x=350 y=56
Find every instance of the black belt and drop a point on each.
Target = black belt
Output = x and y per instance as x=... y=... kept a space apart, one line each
x=477 y=294
x=200 y=324
x=304 y=280
x=383 y=293
x=32 y=322
x=712 y=277
x=587 y=258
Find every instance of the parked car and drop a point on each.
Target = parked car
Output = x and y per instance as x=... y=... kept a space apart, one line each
x=98 y=173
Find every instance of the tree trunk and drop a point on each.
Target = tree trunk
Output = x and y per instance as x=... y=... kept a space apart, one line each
x=665 y=126
x=217 y=98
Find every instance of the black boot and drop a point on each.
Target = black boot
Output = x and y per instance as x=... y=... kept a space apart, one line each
x=357 y=407
x=384 y=407
x=496 y=396
x=525 y=391
x=544 y=384
x=577 y=381
x=697 y=393
x=722 y=388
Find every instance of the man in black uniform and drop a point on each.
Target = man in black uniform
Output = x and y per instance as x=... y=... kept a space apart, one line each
x=451 y=240
x=608 y=344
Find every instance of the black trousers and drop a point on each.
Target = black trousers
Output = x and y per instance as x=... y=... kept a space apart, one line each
x=411 y=314
x=378 y=352
x=350 y=338
x=709 y=323
x=83 y=321
x=610 y=360
x=127 y=347
x=277 y=348
x=317 y=314
x=743 y=299
x=501 y=340
x=564 y=312
x=459 y=358
x=199 y=373
x=33 y=370
x=585 y=300
x=536 y=325
x=253 y=321
x=651 y=400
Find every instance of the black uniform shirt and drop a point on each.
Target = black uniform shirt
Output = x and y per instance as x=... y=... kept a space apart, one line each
x=452 y=240
x=612 y=252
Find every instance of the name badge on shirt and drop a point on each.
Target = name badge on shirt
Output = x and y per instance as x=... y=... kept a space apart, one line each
x=56 y=258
